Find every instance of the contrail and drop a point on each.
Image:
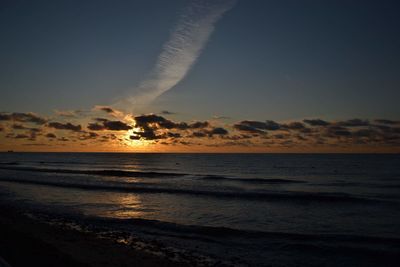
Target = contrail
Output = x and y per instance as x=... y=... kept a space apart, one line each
x=181 y=51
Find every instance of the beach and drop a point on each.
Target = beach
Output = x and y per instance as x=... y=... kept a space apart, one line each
x=28 y=242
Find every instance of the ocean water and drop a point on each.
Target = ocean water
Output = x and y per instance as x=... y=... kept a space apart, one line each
x=235 y=209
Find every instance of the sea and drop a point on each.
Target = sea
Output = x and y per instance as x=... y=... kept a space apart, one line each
x=220 y=209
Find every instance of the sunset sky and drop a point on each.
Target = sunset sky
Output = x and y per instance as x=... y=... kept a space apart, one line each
x=200 y=76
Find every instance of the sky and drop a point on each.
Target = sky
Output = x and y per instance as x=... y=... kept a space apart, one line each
x=200 y=76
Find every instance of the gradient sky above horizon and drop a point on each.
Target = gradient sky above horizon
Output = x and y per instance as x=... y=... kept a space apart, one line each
x=254 y=60
x=286 y=59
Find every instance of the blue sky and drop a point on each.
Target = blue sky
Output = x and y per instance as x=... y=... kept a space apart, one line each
x=278 y=60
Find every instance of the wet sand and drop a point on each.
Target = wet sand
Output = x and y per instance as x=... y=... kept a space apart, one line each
x=27 y=242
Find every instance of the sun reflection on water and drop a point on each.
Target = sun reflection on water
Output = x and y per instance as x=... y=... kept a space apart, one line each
x=130 y=206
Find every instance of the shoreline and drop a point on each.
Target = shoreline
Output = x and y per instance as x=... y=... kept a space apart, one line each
x=28 y=242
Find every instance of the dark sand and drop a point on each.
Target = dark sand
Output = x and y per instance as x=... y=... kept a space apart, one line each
x=28 y=242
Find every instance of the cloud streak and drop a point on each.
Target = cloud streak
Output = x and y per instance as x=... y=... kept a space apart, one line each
x=181 y=51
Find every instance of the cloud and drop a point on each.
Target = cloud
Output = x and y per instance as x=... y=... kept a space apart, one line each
x=64 y=126
x=316 y=122
x=166 y=112
x=246 y=128
x=157 y=129
x=22 y=117
x=69 y=113
x=218 y=131
x=353 y=123
x=338 y=131
x=257 y=126
x=87 y=135
x=215 y=117
x=156 y=121
x=51 y=135
x=389 y=122
x=147 y=134
x=199 y=134
x=116 y=126
x=181 y=51
x=17 y=126
x=144 y=120
x=21 y=136
x=109 y=125
x=199 y=124
x=365 y=133
x=109 y=110
x=153 y=127
x=294 y=126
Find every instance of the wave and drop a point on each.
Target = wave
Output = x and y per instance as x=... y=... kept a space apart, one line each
x=9 y=163
x=252 y=195
x=119 y=173
x=229 y=232
x=252 y=180
x=151 y=174
x=158 y=227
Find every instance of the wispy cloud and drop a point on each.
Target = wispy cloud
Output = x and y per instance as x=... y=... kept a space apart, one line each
x=181 y=51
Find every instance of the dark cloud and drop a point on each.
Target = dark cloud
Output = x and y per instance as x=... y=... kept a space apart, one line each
x=155 y=121
x=209 y=133
x=294 y=126
x=254 y=124
x=147 y=134
x=144 y=120
x=109 y=125
x=281 y=136
x=70 y=113
x=153 y=127
x=317 y=122
x=95 y=127
x=174 y=135
x=166 y=112
x=272 y=125
x=257 y=126
x=158 y=122
x=337 y=131
x=199 y=134
x=35 y=130
x=237 y=137
x=51 y=135
x=116 y=126
x=218 y=131
x=109 y=110
x=64 y=126
x=389 y=122
x=365 y=133
x=199 y=124
x=5 y=117
x=246 y=128
x=21 y=136
x=353 y=123
x=16 y=126
x=134 y=137
x=88 y=135
x=22 y=117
